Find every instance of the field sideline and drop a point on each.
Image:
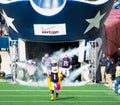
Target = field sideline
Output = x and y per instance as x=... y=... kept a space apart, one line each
x=96 y=94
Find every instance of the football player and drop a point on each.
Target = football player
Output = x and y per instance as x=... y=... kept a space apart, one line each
x=54 y=79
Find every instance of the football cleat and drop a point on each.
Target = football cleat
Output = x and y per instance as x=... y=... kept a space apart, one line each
x=52 y=97
x=57 y=97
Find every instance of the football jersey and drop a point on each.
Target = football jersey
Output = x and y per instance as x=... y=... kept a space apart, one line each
x=54 y=77
x=65 y=63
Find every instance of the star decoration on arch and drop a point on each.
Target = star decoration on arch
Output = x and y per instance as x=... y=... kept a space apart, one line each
x=9 y=21
x=94 y=22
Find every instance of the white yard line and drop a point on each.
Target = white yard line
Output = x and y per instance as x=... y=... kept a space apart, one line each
x=61 y=90
x=48 y=95
x=60 y=101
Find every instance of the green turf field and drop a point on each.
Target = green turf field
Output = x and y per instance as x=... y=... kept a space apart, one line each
x=96 y=94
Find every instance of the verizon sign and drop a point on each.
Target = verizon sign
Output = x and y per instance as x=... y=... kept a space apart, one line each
x=49 y=29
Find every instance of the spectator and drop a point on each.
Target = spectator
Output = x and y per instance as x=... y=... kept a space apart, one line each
x=109 y=71
x=117 y=81
x=103 y=67
x=0 y=61
x=116 y=56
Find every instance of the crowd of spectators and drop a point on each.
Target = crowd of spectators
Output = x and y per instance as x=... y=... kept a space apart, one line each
x=108 y=64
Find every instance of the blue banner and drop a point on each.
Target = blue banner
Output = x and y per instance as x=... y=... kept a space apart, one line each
x=55 y=20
